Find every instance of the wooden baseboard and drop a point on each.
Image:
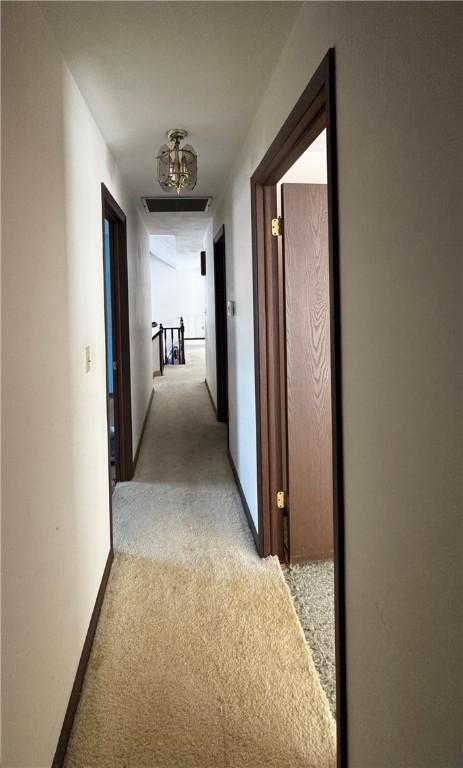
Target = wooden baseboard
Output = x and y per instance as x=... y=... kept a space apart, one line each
x=210 y=397
x=82 y=666
x=135 y=459
x=245 y=504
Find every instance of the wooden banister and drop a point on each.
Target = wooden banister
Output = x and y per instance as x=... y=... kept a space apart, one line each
x=176 y=354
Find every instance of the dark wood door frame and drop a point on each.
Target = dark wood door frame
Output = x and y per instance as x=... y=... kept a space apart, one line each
x=221 y=341
x=115 y=215
x=314 y=112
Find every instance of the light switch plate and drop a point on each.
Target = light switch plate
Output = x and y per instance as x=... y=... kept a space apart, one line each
x=230 y=308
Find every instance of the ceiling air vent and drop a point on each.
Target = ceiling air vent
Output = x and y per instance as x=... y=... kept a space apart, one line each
x=176 y=204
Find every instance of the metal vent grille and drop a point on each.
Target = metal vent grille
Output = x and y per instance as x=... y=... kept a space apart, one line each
x=176 y=204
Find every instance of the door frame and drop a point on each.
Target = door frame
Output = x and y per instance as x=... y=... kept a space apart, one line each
x=221 y=340
x=116 y=216
x=314 y=111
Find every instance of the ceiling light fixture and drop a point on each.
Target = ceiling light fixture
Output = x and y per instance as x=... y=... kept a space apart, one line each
x=177 y=166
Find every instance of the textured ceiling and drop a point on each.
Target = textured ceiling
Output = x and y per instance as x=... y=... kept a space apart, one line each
x=145 y=67
x=187 y=231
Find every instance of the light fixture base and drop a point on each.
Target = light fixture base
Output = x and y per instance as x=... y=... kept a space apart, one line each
x=177 y=134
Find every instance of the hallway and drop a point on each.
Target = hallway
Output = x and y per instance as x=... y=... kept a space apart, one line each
x=169 y=511
x=199 y=659
x=171 y=643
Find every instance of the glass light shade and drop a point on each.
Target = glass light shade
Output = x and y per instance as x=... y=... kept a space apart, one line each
x=177 y=168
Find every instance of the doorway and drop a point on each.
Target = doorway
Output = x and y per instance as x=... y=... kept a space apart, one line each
x=297 y=357
x=111 y=362
x=118 y=390
x=220 y=292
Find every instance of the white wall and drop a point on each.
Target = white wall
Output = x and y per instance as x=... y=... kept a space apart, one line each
x=235 y=216
x=311 y=167
x=191 y=301
x=163 y=291
x=55 y=490
x=177 y=293
x=399 y=88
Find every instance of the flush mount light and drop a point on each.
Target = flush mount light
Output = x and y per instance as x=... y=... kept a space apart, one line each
x=177 y=166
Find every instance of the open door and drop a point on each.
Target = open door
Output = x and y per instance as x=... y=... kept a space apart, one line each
x=307 y=400
x=297 y=324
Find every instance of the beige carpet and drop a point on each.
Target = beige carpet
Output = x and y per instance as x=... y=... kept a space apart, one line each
x=312 y=588
x=199 y=659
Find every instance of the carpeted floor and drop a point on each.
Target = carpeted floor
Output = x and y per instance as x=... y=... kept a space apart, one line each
x=312 y=589
x=199 y=659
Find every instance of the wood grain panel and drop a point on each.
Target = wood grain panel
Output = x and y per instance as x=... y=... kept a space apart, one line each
x=308 y=370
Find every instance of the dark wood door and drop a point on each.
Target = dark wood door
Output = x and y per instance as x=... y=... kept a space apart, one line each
x=220 y=289
x=308 y=371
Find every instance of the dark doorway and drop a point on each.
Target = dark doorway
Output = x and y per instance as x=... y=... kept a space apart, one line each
x=273 y=238
x=111 y=363
x=220 y=292
x=119 y=406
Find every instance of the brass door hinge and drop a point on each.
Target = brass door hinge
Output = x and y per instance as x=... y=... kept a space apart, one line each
x=277 y=226
x=281 y=500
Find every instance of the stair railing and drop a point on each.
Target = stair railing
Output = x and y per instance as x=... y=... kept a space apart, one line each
x=175 y=353
x=158 y=334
